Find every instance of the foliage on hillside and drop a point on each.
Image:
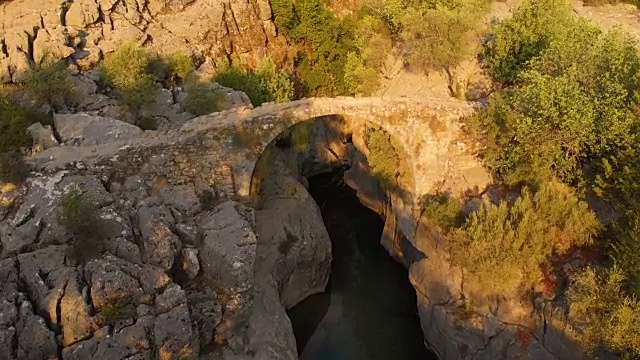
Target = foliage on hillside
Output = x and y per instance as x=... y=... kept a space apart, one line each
x=136 y=74
x=383 y=157
x=49 y=82
x=14 y=121
x=264 y=84
x=79 y=214
x=323 y=42
x=608 y=317
x=503 y=246
x=203 y=98
x=571 y=111
x=571 y=104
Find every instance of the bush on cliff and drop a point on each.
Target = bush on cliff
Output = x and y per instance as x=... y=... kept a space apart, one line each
x=606 y=316
x=383 y=157
x=572 y=109
x=444 y=210
x=202 y=98
x=50 y=83
x=14 y=121
x=322 y=40
x=13 y=168
x=264 y=84
x=128 y=71
x=135 y=72
x=79 y=214
x=503 y=246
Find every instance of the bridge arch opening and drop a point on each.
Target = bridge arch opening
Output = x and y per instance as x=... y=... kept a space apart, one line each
x=357 y=174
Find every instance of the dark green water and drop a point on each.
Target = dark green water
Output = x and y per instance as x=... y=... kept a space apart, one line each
x=369 y=310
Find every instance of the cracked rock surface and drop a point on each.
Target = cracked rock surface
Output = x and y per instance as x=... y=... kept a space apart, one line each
x=148 y=294
x=86 y=30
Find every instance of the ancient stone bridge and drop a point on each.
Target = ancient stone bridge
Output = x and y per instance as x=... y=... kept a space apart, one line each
x=223 y=148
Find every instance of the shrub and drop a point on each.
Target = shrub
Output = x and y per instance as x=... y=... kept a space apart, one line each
x=80 y=216
x=503 y=246
x=624 y=242
x=607 y=317
x=571 y=110
x=323 y=41
x=14 y=121
x=13 y=168
x=265 y=84
x=358 y=77
x=49 y=82
x=118 y=310
x=203 y=99
x=129 y=71
x=276 y=84
x=524 y=36
x=444 y=210
x=172 y=69
x=238 y=78
x=383 y=157
x=148 y=123
x=438 y=35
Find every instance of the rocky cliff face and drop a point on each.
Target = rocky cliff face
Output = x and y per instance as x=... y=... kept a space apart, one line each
x=86 y=30
x=213 y=235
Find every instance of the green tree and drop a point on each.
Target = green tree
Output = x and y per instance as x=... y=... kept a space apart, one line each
x=14 y=121
x=266 y=83
x=367 y=63
x=571 y=111
x=383 y=157
x=322 y=40
x=239 y=78
x=438 y=35
x=524 y=36
x=275 y=83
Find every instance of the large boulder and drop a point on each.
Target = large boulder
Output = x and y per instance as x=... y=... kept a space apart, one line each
x=295 y=244
x=227 y=256
x=85 y=129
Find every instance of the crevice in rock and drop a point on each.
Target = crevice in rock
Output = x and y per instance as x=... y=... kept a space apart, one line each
x=31 y=214
x=101 y=17
x=64 y=9
x=57 y=328
x=3 y=48
x=56 y=134
x=30 y=40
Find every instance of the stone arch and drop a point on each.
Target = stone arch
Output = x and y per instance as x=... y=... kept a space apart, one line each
x=397 y=202
x=428 y=133
x=275 y=119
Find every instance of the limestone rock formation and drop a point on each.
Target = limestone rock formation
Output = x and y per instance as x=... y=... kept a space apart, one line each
x=84 y=129
x=86 y=30
x=212 y=235
x=124 y=303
